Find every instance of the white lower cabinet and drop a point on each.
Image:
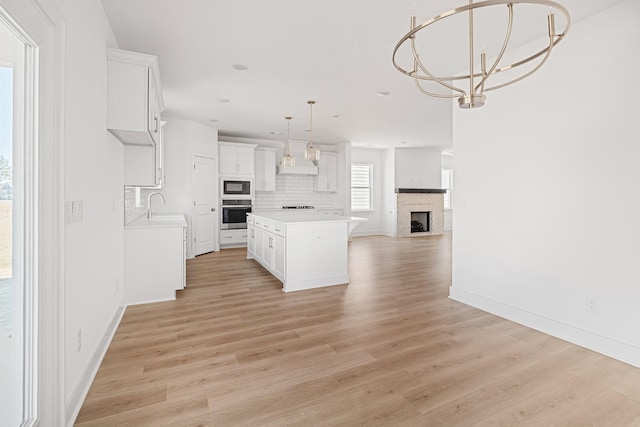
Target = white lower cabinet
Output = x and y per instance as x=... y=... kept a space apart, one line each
x=155 y=262
x=277 y=267
x=267 y=259
x=233 y=238
x=267 y=245
x=251 y=238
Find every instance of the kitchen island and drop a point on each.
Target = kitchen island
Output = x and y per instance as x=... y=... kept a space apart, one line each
x=302 y=250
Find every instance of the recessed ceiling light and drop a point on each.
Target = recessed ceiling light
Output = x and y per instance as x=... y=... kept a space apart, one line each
x=275 y=132
x=337 y=116
x=384 y=93
x=403 y=142
x=213 y=120
x=240 y=67
x=224 y=100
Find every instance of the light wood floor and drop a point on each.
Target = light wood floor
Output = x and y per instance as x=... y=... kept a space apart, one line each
x=389 y=349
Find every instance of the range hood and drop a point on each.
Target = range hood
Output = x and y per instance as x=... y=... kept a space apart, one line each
x=302 y=167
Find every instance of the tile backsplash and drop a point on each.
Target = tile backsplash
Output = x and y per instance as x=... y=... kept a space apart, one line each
x=291 y=190
x=134 y=207
x=294 y=190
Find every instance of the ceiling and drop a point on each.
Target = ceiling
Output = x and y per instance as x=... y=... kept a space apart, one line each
x=337 y=53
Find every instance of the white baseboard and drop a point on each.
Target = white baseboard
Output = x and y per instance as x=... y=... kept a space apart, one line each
x=619 y=350
x=367 y=233
x=89 y=372
x=316 y=282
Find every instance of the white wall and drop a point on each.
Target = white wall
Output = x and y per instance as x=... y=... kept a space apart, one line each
x=93 y=166
x=375 y=224
x=447 y=163
x=418 y=167
x=547 y=205
x=183 y=139
x=389 y=218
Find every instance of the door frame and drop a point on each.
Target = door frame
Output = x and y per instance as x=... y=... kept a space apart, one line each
x=44 y=29
x=216 y=228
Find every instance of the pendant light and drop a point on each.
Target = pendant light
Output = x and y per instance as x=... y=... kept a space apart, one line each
x=288 y=159
x=311 y=153
x=470 y=88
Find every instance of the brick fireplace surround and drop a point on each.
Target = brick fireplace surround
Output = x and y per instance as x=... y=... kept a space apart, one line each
x=419 y=200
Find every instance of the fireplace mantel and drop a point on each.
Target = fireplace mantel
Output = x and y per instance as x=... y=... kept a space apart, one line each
x=421 y=190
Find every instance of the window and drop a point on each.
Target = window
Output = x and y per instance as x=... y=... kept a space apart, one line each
x=361 y=187
x=447 y=184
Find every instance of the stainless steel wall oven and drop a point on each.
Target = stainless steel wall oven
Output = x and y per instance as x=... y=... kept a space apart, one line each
x=234 y=213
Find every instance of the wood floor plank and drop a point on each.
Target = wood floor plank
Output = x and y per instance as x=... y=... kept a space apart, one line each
x=388 y=349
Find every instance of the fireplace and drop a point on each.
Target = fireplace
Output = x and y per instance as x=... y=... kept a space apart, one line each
x=420 y=212
x=420 y=222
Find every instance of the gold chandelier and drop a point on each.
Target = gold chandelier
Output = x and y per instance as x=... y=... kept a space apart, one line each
x=311 y=153
x=477 y=80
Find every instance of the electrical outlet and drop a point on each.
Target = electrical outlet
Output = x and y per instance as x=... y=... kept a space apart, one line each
x=591 y=305
x=79 y=339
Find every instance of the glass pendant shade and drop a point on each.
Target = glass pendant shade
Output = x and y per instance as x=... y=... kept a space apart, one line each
x=311 y=153
x=288 y=159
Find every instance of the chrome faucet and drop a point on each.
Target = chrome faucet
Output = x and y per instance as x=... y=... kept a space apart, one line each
x=149 y=202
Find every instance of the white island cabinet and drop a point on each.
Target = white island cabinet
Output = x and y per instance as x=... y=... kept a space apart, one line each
x=302 y=251
x=155 y=258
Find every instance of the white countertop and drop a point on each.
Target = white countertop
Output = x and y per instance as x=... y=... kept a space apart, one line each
x=289 y=217
x=158 y=221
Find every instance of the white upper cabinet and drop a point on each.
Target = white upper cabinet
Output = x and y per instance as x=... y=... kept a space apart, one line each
x=265 y=161
x=327 y=179
x=237 y=159
x=144 y=164
x=134 y=97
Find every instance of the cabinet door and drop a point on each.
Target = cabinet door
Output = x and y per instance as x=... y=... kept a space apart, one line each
x=245 y=160
x=259 y=242
x=228 y=164
x=265 y=170
x=260 y=182
x=267 y=256
x=279 y=251
x=251 y=240
x=139 y=165
x=332 y=173
x=134 y=97
x=270 y=170
x=159 y=155
x=154 y=109
x=327 y=179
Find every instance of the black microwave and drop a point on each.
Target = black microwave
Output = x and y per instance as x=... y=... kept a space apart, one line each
x=236 y=188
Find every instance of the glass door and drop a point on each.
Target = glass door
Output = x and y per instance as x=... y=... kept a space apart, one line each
x=16 y=298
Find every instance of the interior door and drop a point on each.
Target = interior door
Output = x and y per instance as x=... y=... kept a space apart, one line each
x=205 y=216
